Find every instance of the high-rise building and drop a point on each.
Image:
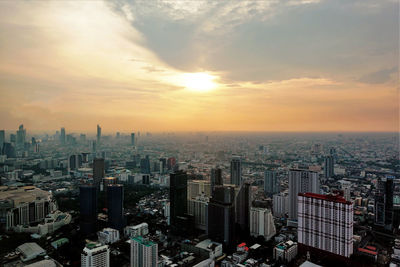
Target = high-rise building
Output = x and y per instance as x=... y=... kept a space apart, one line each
x=236 y=170
x=145 y=165
x=163 y=165
x=21 y=134
x=280 y=203
x=262 y=223
x=132 y=139
x=2 y=139
x=178 y=196
x=8 y=150
x=271 y=183
x=216 y=177
x=198 y=187
x=62 y=136
x=75 y=162
x=13 y=139
x=198 y=208
x=95 y=255
x=98 y=171
x=221 y=215
x=88 y=208
x=242 y=208
x=384 y=203
x=325 y=222
x=171 y=163
x=98 y=134
x=346 y=188
x=329 y=167
x=115 y=206
x=300 y=181
x=144 y=253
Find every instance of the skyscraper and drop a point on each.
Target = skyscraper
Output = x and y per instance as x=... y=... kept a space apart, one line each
x=216 y=177
x=329 y=167
x=262 y=223
x=2 y=139
x=21 y=134
x=300 y=181
x=98 y=134
x=144 y=253
x=98 y=171
x=242 y=208
x=95 y=255
x=384 y=203
x=115 y=206
x=62 y=136
x=178 y=196
x=88 y=208
x=221 y=215
x=145 y=165
x=325 y=222
x=236 y=170
x=163 y=165
x=271 y=183
x=132 y=139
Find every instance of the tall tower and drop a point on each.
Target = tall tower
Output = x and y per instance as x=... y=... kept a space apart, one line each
x=144 y=253
x=300 y=181
x=115 y=206
x=236 y=170
x=221 y=215
x=271 y=183
x=98 y=134
x=216 y=177
x=384 y=203
x=21 y=134
x=88 y=208
x=178 y=196
x=98 y=171
x=62 y=135
x=329 y=166
x=132 y=139
x=325 y=223
x=2 y=139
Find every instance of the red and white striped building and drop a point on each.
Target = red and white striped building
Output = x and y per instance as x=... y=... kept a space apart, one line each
x=325 y=222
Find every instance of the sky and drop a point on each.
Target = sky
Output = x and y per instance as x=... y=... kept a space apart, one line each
x=273 y=65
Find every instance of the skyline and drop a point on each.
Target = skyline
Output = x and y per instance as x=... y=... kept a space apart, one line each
x=198 y=66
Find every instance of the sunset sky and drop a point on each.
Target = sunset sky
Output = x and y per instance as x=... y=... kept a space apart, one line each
x=295 y=65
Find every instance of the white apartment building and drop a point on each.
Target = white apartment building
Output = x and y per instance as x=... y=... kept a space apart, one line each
x=95 y=255
x=262 y=223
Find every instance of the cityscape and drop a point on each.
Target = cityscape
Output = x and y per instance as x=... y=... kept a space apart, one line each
x=199 y=133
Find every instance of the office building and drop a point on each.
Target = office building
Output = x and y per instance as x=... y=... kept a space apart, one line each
x=163 y=165
x=21 y=135
x=198 y=208
x=198 y=187
x=98 y=171
x=171 y=163
x=22 y=206
x=262 y=223
x=300 y=181
x=95 y=255
x=216 y=177
x=88 y=208
x=242 y=207
x=2 y=139
x=178 y=196
x=62 y=136
x=132 y=139
x=136 y=230
x=346 y=188
x=75 y=162
x=325 y=222
x=329 y=167
x=236 y=170
x=115 y=206
x=108 y=236
x=144 y=253
x=384 y=203
x=98 y=136
x=145 y=165
x=280 y=204
x=271 y=183
x=285 y=251
x=8 y=150
x=221 y=215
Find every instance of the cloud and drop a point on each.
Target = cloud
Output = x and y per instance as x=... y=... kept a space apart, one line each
x=378 y=77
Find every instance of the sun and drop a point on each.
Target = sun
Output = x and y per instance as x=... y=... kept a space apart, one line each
x=199 y=81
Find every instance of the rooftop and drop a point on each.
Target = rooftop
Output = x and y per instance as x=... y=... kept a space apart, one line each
x=332 y=198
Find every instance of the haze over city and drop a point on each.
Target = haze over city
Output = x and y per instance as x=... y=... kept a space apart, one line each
x=200 y=65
